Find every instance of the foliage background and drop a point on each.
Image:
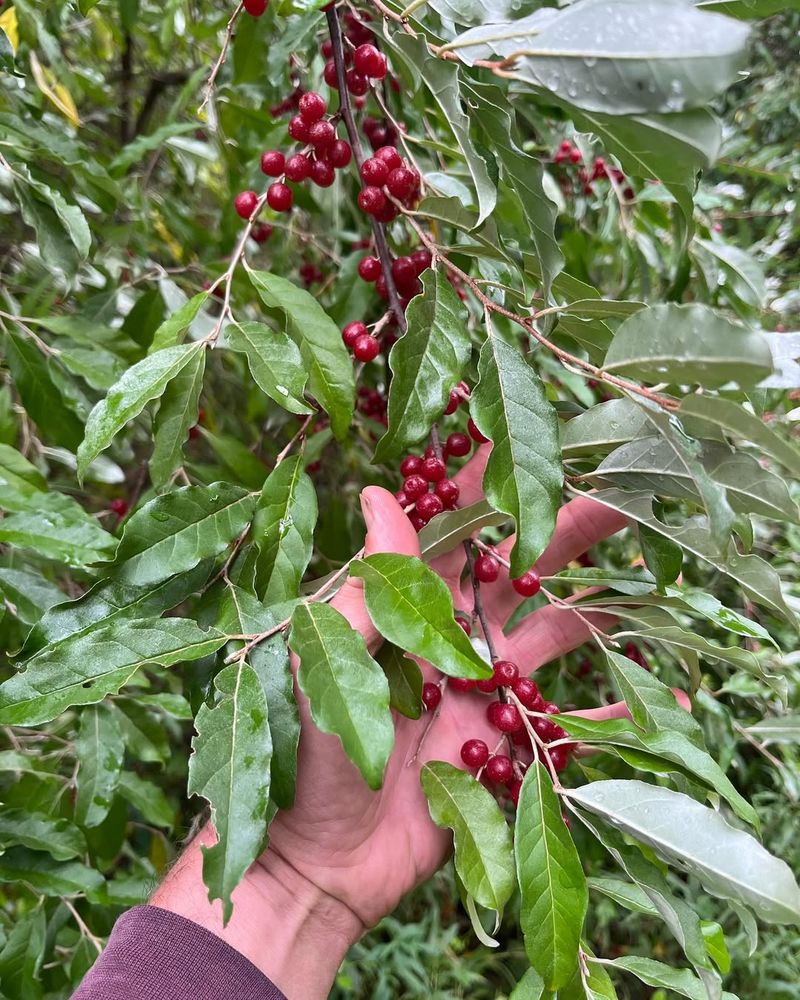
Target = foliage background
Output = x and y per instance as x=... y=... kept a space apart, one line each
x=100 y=104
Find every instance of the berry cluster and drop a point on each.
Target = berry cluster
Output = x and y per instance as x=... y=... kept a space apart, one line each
x=383 y=175
x=569 y=155
x=406 y=272
x=487 y=570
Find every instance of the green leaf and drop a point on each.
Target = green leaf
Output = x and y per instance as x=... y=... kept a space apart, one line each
x=22 y=956
x=143 y=382
x=347 y=691
x=530 y=987
x=483 y=850
x=46 y=876
x=60 y=530
x=177 y=413
x=662 y=557
x=633 y=581
x=60 y=838
x=230 y=767
x=427 y=361
x=702 y=414
x=652 y=705
x=99 y=749
x=553 y=893
x=146 y=738
x=404 y=678
x=27 y=595
x=270 y=660
x=524 y=173
x=283 y=530
x=480 y=11
x=523 y=476
x=777 y=729
x=688 y=343
x=745 y=277
x=619 y=56
x=451 y=528
x=756 y=577
x=667 y=745
x=602 y=428
x=411 y=606
x=84 y=669
x=173 y=533
x=729 y=862
x=627 y=894
x=330 y=369
x=274 y=361
x=658 y=974
x=70 y=217
x=147 y=798
x=172 y=330
x=135 y=151
x=40 y=392
x=748 y=8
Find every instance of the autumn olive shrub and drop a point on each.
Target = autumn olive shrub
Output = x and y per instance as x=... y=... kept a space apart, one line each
x=257 y=257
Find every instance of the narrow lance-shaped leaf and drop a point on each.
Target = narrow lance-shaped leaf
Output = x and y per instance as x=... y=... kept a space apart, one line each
x=175 y=532
x=270 y=660
x=404 y=678
x=523 y=475
x=346 y=689
x=658 y=974
x=330 y=369
x=729 y=862
x=99 y=749
x=411 y=606
x=60 y=838
x=553 y=893
x=688 y=343
x=177 y=413
x=283 y=530
x=662 y=556
x=620 y=56
x=230 y=768
x=275 y=362
x=44 y=875
x=453 y=527
x=427 y=362
x=484 y=856
x=140 y=384
x=83 y=670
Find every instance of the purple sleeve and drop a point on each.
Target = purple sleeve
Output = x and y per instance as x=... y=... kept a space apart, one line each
x=153 y=954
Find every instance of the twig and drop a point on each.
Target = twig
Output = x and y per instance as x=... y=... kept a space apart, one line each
x=757 y=745
x=209 y=87
x=298 y=434
x=479 y=609
x=82 y=927
x=346 y=111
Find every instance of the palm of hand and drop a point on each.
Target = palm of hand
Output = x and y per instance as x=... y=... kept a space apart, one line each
x=367 y=849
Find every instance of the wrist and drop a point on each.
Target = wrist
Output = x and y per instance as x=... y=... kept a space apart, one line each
x=291 y=930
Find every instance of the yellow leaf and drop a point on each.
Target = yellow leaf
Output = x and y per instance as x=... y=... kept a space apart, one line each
x=9 y=24
x=173 y=245
x=55 y=92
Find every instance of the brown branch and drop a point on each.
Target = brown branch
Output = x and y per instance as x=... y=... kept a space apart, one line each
x=346 y=111
x=209 y=87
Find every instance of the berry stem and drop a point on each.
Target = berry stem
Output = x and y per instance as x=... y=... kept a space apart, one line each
x=346 y=110
x=209 y=87
x=479 y=609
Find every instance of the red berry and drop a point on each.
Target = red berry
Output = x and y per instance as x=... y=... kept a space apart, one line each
x=428 y=506
x=357 y=84
x=369 y=62
x=474 y=433
x=458 y=444
x=448 y=491
x=474 y=753
x=433 y=469
x=528 y=693
x=366 y=348
x=416 y=521
x=487 y=568
x=255 y=8
x=272 y=163
x=403 y=270
x=410 y=465
x=462 y=684
x=414 y=486
x=504 y=716
x=353 y=331
x=575 y=156
x=330 y=75
x=261 y=232
x=401 y=498
x=321 y=135
x=298 y=167
x=312 y=107
x=401 y=182
x=431 y=695
x=119 y=507
x=467 y=628
x=279 y=197
x=528 y=584
x=373 y=171
x=500 y=769
x=298 y=129
x=629 y=194
x=487 y=686
x=340 y=154
x=505 y=673
x=245 y=203
x=514 y=788
x=326 y=48
x=551 y=708
x=453 y=403
x=371 y=200
x=559 y=757
x=322 y=173
x=369 y=268
x=389 y=156
x=422 y=260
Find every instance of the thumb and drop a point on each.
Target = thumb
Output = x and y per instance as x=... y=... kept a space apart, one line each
x=388 y=530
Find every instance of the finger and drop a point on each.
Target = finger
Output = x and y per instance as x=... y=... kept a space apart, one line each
x=581 y=524
x=388 y=530
x=548 y=633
